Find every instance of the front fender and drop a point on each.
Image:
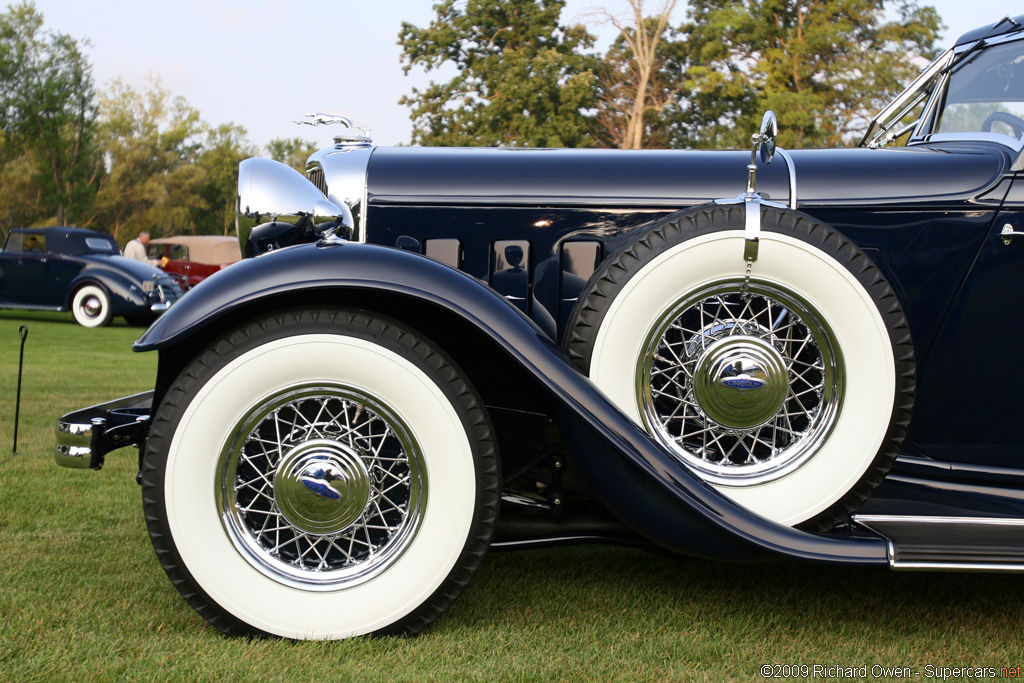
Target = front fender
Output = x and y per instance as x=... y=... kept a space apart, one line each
x=646 y=485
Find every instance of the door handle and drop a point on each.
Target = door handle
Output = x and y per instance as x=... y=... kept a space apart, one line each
x=1008 y=234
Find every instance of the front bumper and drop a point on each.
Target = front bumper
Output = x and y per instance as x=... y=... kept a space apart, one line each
x=85 y=436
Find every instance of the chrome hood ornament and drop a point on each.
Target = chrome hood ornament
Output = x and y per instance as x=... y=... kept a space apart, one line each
x=357 y=135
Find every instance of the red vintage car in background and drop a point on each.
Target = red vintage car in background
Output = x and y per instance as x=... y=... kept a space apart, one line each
x=193 y=258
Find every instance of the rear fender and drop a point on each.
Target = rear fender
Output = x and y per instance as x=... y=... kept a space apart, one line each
x=125 y=295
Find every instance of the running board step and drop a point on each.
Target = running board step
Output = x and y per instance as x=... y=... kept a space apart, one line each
x=950 y=543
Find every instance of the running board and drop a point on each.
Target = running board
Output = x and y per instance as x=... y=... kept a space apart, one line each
x=988 y=544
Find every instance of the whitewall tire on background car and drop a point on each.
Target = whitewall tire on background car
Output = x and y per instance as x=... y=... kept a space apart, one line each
x=320 y=474
x=789 y=392
x=91 y=306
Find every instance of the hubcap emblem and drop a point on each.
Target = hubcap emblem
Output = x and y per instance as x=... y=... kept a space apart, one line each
x=319 y=486
x=744 y=381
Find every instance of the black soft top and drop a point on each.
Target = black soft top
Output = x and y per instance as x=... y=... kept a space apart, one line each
x=73 y=241
x=1002 y=27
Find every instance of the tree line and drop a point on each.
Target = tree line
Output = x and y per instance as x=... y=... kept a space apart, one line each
x=126 y=159
x=119 y=161
x=523 y=78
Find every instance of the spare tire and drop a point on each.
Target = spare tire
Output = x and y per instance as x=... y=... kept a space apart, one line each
x=788 y=390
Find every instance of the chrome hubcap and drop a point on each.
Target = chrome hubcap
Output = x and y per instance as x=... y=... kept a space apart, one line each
x=92 y=307
x=740 y=382
x=743 y=386
x=322 y=487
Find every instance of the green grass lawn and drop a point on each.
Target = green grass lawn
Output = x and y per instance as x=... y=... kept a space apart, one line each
x=83 y=598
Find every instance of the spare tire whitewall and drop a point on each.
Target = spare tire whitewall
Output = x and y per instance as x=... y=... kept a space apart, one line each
x=320 y=475
x=669 y=328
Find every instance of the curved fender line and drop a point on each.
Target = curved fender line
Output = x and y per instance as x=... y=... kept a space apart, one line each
x=352 y=265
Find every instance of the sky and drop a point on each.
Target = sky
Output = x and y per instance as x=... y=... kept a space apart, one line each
x=263 y=63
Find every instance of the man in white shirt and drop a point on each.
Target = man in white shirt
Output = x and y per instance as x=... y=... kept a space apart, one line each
x=138 y=249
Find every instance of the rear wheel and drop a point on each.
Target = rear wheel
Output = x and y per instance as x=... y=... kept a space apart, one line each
x=91 y=306
x=320 y=475
x=789 y=391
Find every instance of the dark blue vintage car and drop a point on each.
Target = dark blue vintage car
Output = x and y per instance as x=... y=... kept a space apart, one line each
x=442 y=351
x=82 y=271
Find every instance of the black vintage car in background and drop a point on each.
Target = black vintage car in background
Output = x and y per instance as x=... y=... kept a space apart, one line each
x=82 y=271
x=441 y=351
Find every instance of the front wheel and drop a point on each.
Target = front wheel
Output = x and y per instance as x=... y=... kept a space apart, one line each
x=319 y=475
x=787 y=388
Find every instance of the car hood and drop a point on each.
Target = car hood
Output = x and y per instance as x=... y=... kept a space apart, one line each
x=488 y=176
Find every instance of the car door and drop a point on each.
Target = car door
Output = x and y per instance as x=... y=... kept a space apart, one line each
x=23 y=280
x=970 y=384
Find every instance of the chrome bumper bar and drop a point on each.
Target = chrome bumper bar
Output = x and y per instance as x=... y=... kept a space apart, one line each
x=85 y=436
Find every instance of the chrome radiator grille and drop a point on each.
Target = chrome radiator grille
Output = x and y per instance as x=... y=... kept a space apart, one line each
x=316 y=176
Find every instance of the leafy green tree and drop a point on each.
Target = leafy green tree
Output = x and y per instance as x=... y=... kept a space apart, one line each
x=225 y=146
x=150 y=142
x=47 y=110
x=521 y=79
x=291 y=151
x=823 y=66
x=167 y=171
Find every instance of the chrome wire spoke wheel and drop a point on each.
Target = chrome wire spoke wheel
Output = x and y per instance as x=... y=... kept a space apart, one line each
x=743 y=385
x=321 y=487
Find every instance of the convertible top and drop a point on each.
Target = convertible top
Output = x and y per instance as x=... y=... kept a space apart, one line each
x=73 y=241
x=1002 y=27
x=212 y=250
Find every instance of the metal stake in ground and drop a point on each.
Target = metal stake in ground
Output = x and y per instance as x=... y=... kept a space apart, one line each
x=23 y=333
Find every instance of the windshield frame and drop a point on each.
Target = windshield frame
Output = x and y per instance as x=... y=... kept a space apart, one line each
x=931 y=87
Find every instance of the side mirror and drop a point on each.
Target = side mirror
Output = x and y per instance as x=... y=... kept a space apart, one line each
x=769 y=131
x=762 y=142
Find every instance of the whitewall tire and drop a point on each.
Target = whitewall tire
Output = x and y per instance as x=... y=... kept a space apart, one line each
x=789 y=391
x=320 y=474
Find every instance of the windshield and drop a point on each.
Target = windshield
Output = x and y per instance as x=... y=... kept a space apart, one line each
x=986 y=93
x=976 y=93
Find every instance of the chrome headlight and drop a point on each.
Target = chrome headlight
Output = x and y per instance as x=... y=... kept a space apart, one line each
x=278 y=207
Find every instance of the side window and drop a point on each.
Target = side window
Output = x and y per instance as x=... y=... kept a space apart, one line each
x=34 y=244
x=102 y=244
x=15 y=243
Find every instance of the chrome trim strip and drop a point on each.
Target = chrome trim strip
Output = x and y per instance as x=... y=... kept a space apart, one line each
x=940 y=566
x=791 y=167
x=967 y=566
x=995 y=521
x=365 y=213
x=562 y=540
